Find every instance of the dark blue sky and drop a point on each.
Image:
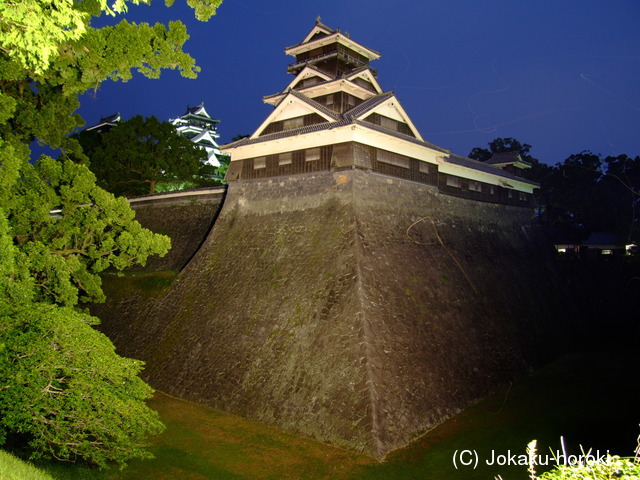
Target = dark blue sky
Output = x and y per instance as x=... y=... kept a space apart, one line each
x=563 y=76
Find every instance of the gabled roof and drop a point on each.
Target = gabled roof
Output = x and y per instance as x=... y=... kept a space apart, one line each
x=198 y=112
x=334 y=120
x=336 y=85
x=502 y=159
x=308 y=71
x=367 y=74
x=387 y=105
x=302 y=104
x=331 y=36
x=109 y=121
x=205 y=137
x=318 y=28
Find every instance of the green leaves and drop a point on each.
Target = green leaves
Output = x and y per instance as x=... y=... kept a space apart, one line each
x=138 y=154
x=68 y=230
x=35 y=32
x=32 y=30
x=67 y=390
x=63 y=387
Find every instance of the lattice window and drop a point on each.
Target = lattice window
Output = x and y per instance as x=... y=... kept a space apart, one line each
x=312 y=154
x=284 y=158
x=393 y=158
x=453 y=181
x=475 y=186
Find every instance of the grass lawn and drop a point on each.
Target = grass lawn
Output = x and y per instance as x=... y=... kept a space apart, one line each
x=590 y=399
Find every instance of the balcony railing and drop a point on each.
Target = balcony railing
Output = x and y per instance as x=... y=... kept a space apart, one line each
x=345 y=56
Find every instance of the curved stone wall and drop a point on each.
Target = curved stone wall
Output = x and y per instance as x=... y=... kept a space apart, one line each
x=350 y=307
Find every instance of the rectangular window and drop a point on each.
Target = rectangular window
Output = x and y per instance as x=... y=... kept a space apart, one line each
x=475 y=186
x=393 y=158
x=284 y=158
x=260 y=162
x=522 y=196
x=330 y=99
x=312 y=154
x=424 y=167
x=453 y=182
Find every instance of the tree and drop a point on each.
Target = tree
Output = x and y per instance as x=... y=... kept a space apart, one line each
x=569 y=193
x=136 y=155
x=63 y=388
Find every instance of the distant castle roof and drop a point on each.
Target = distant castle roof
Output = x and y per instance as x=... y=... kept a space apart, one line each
x=106 y=122
x=502 y=159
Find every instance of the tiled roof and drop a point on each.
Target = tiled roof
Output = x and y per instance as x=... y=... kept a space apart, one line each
x=402 y=136
x=347 y=118
x=368 y=104
x=314 y=104
x=502 y=158
x=484 y=167
x=301 y=89
x=111 y=120
x=288 y=133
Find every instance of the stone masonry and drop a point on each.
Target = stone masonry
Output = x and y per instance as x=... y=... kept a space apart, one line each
x=348 y=306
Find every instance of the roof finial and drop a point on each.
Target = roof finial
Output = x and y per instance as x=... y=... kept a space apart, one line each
x=318 y=20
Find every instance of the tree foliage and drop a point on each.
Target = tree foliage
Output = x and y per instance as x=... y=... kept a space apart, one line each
x=62 y=387
x=585 y=193
x=136 y=155
x=33 y=32
x=69 y=230
x=588 y=194
x=65 y=388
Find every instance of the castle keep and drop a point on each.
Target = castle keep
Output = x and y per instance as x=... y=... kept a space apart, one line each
x=334 y=115
x=360 y=285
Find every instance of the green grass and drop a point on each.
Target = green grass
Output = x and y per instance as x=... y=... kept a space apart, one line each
x=12 y=468
x=587 y=398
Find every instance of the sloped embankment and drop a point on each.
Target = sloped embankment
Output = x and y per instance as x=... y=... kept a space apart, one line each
x=348 y=306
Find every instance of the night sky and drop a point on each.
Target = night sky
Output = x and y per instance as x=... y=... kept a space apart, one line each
x=562 y=76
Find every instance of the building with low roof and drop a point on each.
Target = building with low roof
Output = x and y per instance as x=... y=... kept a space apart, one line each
x=106 y=123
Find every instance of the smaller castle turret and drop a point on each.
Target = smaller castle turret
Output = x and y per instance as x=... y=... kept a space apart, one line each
x=198 y=126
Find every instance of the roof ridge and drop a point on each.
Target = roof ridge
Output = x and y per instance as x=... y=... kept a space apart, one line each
x=314 y=104
x=368 y=104
x=402 y=136
x=487 y=167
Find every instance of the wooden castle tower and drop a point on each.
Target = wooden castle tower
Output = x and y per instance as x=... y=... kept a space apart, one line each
x=334 y=115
